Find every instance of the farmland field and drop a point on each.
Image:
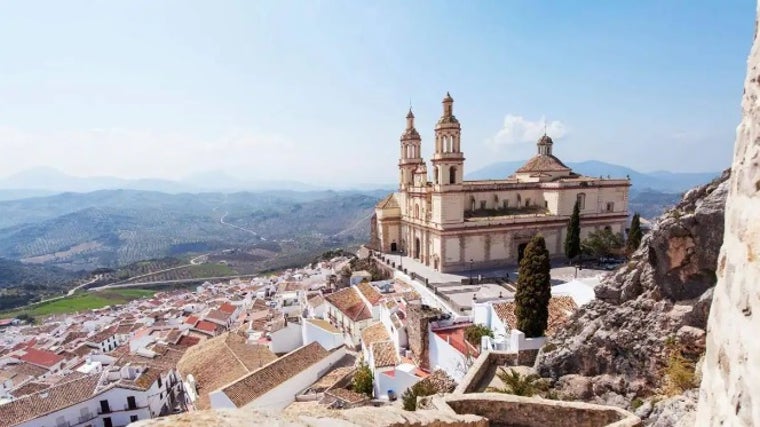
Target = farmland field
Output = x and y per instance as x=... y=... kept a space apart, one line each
x=81 y=302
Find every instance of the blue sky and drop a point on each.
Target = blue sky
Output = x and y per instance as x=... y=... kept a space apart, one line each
x=317 y=91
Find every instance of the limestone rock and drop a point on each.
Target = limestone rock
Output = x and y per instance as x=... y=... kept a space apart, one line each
x=619 y=340
x=730 y=387
x=677 y=411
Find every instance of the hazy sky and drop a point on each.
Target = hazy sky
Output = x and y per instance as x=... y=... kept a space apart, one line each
x=318 y=91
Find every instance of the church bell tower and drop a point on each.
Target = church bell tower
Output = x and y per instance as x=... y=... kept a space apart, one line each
x=448 y=167
x=411 y=156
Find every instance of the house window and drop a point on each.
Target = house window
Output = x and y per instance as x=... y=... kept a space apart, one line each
x=104 y=407
x=482 y=204
x=107 y=422
x=581 y=199
x=159 y=381
x=610 y=206
x=133 y=418
x=131 y=404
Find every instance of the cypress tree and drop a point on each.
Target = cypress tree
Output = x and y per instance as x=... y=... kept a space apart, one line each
x=533 y=289
x=573 y=237
x=634 y=234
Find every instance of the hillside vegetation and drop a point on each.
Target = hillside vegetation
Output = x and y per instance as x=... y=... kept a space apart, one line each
x=112 y=228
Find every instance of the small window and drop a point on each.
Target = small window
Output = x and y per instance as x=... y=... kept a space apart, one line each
x=581 y=198
x=527 y=202
x=610 y=206
x=546 y=204
x=159 y=381
x=107 y=422
x=133 y=418
x=482 y=204
x=131 y=403
x=506 y=204
x=519 y=200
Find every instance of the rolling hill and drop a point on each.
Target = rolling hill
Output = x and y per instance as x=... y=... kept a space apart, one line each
x=109 y=228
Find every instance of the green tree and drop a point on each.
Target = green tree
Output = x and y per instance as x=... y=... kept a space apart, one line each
x=363 y=380
x=573 y=237
x=603 y=243
x=533 y=289
x=634 y=234
x=516 y=384
x=474 y=333
x=421 y=389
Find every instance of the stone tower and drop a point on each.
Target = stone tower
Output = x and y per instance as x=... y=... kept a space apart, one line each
x=448 y=167
x=411 y=157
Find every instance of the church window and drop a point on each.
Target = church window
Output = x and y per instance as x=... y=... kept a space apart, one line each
x=482 y=204
x=506 y=204
x=472 y=204
x=527 y=202
x=496 y=201
x=435 y=175
x=416 y=211
x=519 y=199
x=453 y=175
x=546 y=204
x=581 y=201
x=610 y=206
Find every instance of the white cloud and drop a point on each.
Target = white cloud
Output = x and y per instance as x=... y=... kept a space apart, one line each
x=519 y=130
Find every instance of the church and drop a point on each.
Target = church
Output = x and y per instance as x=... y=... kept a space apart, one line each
x=451 y=225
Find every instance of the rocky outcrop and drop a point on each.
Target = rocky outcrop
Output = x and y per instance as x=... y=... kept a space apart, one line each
x=730 y=387
x=614 y=349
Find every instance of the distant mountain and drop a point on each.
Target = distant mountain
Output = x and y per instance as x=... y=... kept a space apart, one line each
x=108 y=228
x=669 y=182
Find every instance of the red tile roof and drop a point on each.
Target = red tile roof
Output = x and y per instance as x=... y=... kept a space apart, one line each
x=369 y=292
x=227 y=308
x=207 y=326
x=350 y=304
x=455 y=338
x=191 y=320
x=41 y=357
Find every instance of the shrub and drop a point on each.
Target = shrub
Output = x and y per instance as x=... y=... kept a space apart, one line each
x=421 y=389
x=516 y=384
x=363 y=380
x=474 y=333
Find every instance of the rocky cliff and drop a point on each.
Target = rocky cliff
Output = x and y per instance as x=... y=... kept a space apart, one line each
x=731 y=386
x=616 y=349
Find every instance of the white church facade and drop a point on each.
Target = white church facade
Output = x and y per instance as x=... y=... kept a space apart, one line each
x=450 y=224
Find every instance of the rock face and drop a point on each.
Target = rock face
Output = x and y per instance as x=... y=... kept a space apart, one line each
x=730 y=389
x=618 y=341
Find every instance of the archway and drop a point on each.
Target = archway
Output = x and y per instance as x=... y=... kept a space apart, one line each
x=453 y=175
x=521 y=251
x=394 y=247
x=417 y=248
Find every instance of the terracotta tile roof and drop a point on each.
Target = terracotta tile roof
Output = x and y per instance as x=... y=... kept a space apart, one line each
x=324 y=324
x=289 y=287
x=209 y=327
x=561 y=308
x=384 y=354
x=103 y=335
x=82 y=351
x=188 y=340
x=316 y=300
x=43 y=358
x=218 y=316
x=28 y=388
x=505 y=311
x=543 y=163
x=373 y=333
x=73 y=336
x=347 y=395
x=332 y=378
x=221 y=360
x=347 y=300
x=369 y=292
x=191 y=320
x=24 y=371
x=275 y=373
x=124 y=328
x=227 y=308
x=50 y=400
x=455 y=338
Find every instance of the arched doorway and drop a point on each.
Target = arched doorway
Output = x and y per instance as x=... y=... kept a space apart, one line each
x=521 y=251
x=417 y=248
x=394 y=247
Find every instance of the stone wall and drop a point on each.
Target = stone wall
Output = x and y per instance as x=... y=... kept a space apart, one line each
x=730 y=389
x=510 y=410
x=418 y=319
x=487 y=363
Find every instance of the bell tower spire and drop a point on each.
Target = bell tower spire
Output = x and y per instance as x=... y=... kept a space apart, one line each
x=448 y=160
x=411 y=152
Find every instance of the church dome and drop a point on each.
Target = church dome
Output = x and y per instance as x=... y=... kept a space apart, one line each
x=448 y=98
x=546 y=139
